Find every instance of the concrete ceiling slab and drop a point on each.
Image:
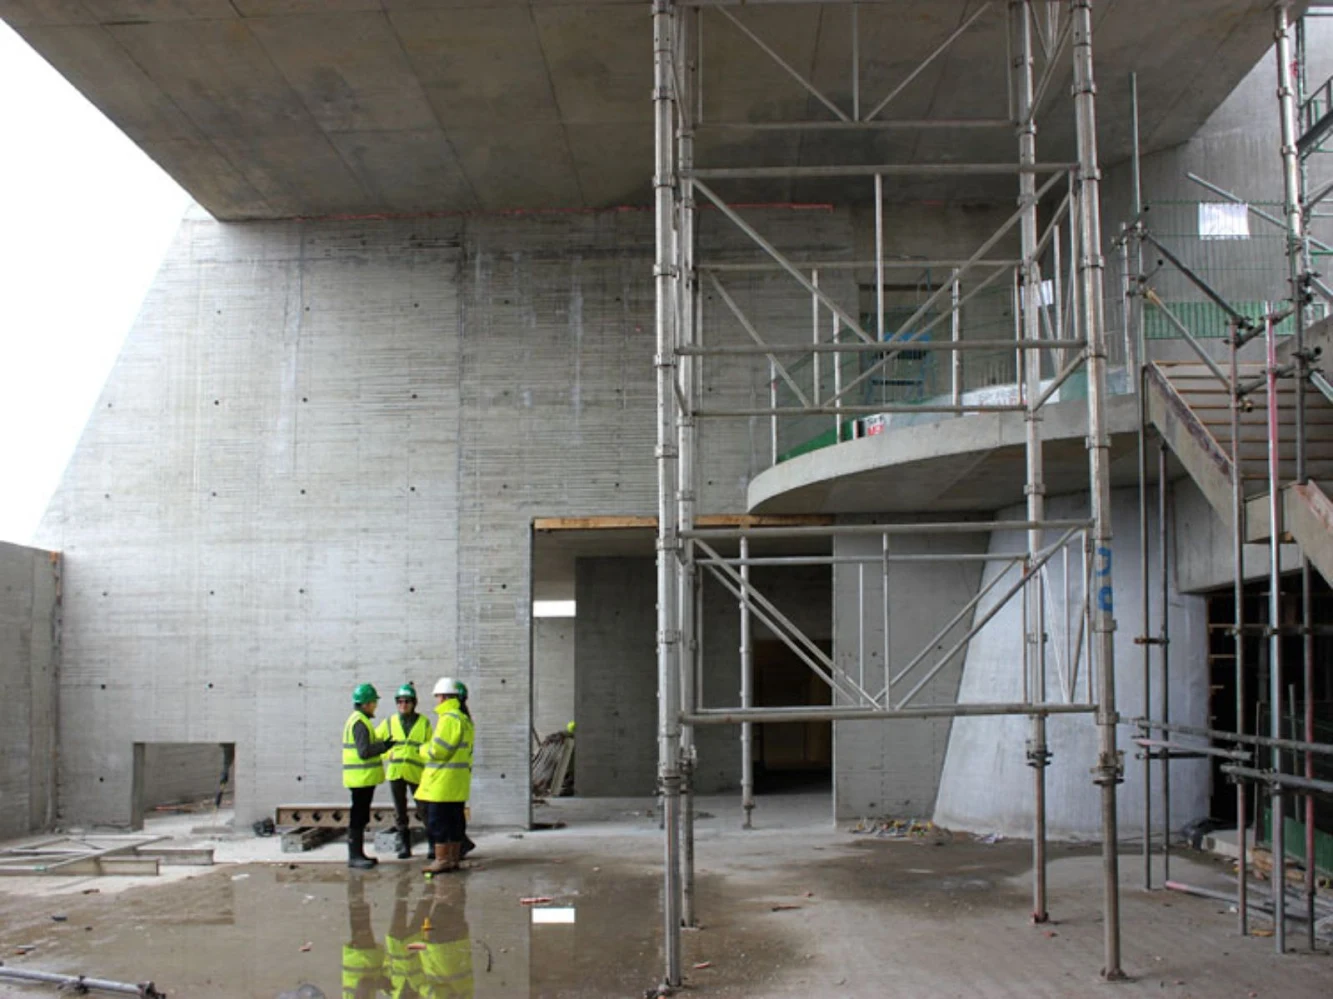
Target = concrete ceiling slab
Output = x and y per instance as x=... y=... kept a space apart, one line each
x=272 y=108
x=349 y=70
x=480 y=67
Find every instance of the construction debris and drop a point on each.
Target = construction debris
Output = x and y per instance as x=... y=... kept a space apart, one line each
x=80 y=984
x=81 y=855
x=307 y=838
x=552 y=773
x=890 y=828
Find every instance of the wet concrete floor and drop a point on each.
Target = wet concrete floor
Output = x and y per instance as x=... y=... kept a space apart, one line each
x=260 y=930
x=784 y=913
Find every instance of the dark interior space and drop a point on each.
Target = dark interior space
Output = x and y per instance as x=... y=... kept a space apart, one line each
x=1258 y=679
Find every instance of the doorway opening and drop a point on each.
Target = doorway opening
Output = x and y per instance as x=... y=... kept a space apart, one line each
x=790 y=756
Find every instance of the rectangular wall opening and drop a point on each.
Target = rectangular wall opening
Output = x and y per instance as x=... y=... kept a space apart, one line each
x=176 y=779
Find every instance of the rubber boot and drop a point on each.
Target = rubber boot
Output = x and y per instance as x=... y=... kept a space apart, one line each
x=440 y=864
x=356 y=840
x=356 y=856
x=467 y=847
x=404 y=842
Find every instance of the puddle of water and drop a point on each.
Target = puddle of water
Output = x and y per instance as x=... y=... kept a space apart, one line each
x=268 y=930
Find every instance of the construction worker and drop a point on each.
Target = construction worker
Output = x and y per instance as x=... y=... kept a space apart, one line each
x=363 y=971
x=410 y=731
x=362 y=771
x=468 y=845
x=448 y=778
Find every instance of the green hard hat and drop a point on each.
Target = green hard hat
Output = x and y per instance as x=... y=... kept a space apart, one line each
x=407 y=690
x=462 y=690
x=365 y=693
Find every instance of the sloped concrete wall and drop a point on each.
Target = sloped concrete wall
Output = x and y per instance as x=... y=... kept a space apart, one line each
x=30 y=619
x=893 y=767
x=986 y=785
x=317 y=460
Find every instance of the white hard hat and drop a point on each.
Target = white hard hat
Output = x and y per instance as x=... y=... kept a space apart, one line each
x=447 y=685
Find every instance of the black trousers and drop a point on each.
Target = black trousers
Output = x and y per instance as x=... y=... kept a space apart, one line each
x=360 y=817
x=444 y=821
x=399 y=788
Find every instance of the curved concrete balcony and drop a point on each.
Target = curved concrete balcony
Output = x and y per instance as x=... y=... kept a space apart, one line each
x=955 y=463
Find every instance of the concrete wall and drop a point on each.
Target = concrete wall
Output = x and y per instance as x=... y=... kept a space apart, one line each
x=986 y=784
x=1239 y=149
x=552 y=674
x=615 y=676
x=893 y=767
x=317 y=460
x=1202 y=552
x=30 y=620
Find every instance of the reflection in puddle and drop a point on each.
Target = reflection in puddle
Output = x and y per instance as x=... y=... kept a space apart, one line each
x=302 y=932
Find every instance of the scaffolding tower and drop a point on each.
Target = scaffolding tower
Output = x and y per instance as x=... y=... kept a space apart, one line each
x=1269 y=397
x=1049 y=345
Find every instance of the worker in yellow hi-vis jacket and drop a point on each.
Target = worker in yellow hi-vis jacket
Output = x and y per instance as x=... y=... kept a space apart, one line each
x=447 y=780
x=409 y=732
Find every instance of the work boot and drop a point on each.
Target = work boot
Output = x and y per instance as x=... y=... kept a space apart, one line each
x=355 y=859
x=404 y=842
x=356 y=851
x=451 y=855
x=467 y=847
x=441 y=863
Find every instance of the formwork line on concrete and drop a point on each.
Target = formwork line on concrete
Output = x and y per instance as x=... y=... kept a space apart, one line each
x=1076 y=340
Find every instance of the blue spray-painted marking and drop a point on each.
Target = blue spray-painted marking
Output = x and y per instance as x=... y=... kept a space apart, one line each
x=1104 y=599
x=1103 y=562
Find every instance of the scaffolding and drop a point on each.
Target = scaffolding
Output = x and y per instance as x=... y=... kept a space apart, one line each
x=1059 y=330
x=1256 y=398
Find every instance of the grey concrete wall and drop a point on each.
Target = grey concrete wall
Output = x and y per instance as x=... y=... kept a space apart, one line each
x=986 y=784
x=615 y=676
x=316 y=462
x=1202 y=553
x=1238 y=148
x=552 y=674
x=893 y=767
x=30 y=622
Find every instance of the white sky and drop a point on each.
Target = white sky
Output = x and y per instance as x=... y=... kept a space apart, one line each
x=85 y=220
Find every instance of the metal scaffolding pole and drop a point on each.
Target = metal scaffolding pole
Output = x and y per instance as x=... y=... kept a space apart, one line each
x=1091 y=271
x=1163 y=648
x=747 y=691
x=1291 y=192
x=1145 y=627
x=1038 y=755
x=1298 y=260
x=1275 y=677
x=687 y=436
x=1238 y=595
x=665 y=271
